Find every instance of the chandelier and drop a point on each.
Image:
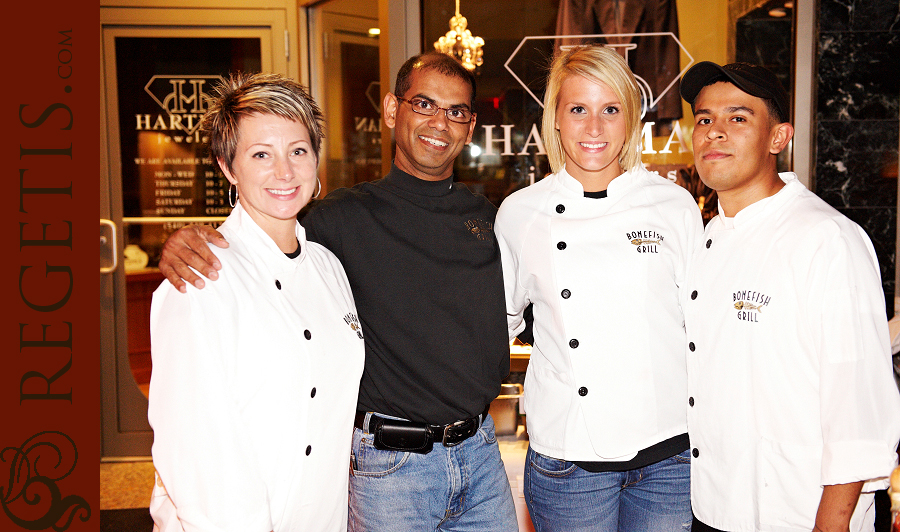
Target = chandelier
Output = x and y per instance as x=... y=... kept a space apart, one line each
x=459 y=43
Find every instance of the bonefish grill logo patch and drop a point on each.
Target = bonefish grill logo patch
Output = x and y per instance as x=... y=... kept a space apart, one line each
x=481 y=229
x=351 y=320
x=749 y=304
x=645 y=241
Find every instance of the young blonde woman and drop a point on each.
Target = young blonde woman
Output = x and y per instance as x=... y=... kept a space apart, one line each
x=600 y=248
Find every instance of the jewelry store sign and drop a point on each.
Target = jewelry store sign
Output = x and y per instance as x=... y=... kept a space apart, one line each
x=173 y=174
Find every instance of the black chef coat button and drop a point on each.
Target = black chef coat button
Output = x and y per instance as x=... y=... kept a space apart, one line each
x=573 y=343
x=308 y=449
x=307 y=334
x=708 y=243
x=560 y=245
x=582 y=391
x=695 y=452
x=691 y=346
x=566 y=294
x=560 y=208
x=691 y=401
x=694 y=294
x=277 y=284
x=313 y=393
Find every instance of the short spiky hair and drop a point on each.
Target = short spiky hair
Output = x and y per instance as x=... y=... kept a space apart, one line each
x=432 y=60
x=600 y=64
x=246 y=94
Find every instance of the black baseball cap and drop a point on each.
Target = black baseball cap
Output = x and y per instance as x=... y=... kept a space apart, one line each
x=752 y=79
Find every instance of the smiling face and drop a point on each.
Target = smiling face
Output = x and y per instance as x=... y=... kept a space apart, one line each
x=736 y=141
x=592 y=131
x=428 y=145
x=274 y=169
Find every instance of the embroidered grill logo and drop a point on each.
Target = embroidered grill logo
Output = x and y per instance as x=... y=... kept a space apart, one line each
x=749 y=304
x=481 y=229
x=351 y=320
x=645 y=241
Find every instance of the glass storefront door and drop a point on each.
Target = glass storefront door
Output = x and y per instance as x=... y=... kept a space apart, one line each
x=345 y=71
x=156 y=174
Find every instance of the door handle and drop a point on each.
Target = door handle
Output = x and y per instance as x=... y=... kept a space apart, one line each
x=114 y=249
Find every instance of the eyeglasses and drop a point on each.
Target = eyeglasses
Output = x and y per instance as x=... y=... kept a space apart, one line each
x=460 y=115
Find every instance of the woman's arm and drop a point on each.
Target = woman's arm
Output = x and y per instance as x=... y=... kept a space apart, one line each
x=200 y=449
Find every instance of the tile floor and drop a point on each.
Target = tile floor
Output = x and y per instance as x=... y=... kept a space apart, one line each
x=125 y=484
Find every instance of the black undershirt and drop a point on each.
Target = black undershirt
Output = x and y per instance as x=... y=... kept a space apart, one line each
x=294 y=254
x=650 y=455
x=699 y=526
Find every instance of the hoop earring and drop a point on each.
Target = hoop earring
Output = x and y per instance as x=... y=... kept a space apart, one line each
x=318 y=188
x=232 y=195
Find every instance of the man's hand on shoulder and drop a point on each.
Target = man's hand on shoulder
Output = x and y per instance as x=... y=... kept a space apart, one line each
x=187 y=248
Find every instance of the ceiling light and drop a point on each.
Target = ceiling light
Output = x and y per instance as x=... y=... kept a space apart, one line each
x=459 y=43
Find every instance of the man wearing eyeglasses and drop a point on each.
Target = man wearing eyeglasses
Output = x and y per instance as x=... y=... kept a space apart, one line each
x=424 y=266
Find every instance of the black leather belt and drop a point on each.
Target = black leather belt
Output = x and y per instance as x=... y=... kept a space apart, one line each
x=409 y=436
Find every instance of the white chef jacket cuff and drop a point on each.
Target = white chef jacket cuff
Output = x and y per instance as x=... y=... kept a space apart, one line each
x=844 y=462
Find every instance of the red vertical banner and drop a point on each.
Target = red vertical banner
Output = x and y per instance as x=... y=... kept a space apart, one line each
x=49 y=380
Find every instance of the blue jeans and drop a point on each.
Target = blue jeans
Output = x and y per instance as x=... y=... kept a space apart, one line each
x=461 y=488
x=562 y=496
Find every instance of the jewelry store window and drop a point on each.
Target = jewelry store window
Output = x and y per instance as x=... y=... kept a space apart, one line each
x=660 y=39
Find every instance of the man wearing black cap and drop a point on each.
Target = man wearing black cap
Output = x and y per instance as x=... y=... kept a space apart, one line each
x=792 y=407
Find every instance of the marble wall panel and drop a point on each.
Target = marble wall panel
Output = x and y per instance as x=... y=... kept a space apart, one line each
x=858 y=75
x=859 y=15
x=856 y=162
x=858 y=119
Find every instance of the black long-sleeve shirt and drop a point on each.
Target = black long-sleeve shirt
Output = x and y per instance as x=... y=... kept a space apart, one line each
x=424 y=267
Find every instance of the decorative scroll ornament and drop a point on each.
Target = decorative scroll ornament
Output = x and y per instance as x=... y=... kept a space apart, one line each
x=33 y=496
x=459 y=43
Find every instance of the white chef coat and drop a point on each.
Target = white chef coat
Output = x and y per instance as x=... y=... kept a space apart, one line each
x=606 y=377
x=253 y=391
x=789 y=367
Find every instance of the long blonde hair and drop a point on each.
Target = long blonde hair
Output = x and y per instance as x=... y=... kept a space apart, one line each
x=600 y=64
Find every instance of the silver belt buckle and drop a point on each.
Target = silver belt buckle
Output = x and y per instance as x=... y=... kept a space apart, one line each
x=450 y=431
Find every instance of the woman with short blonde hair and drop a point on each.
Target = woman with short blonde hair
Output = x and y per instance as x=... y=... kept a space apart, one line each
x=255 y=378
